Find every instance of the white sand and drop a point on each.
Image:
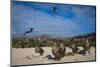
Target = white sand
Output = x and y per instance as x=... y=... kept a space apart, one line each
x=28 y=56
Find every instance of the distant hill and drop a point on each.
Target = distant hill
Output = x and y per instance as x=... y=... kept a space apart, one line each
x=86 y=35
x=93 y=34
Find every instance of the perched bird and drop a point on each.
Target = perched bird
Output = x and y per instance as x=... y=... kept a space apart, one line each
x=87 y=46
x=74 y=48
x=38 y=49
x=29 y=31
x=56 y=51
x=62 y=49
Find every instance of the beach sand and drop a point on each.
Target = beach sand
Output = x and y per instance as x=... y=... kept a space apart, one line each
x=28 y=56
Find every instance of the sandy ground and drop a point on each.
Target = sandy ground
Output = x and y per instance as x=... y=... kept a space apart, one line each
x=28 y=56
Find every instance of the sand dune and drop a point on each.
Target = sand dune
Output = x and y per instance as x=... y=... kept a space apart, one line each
x=28 y=56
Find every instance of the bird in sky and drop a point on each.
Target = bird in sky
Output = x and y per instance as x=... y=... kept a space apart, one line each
x=54 y=10
x=29 y=31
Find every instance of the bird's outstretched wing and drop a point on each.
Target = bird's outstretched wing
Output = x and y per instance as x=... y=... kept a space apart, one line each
x=29 y=31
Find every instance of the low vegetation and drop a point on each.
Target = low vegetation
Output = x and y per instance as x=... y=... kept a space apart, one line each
x=28 y=42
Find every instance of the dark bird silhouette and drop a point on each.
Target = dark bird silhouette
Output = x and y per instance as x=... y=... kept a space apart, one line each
x=29 y=31
x=54 y=9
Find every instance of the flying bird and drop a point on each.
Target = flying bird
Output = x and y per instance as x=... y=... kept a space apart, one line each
x=54 y=9
x=29 y=31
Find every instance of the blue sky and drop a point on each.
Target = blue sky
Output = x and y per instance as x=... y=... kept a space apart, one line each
x=69 y=20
